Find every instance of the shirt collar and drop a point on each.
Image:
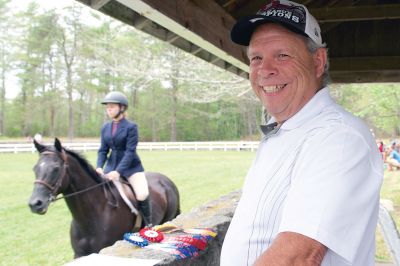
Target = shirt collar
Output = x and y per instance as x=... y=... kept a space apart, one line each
x=312 y=108
x=269 y=129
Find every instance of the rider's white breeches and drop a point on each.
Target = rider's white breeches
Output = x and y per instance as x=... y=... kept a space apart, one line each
x=139 y=184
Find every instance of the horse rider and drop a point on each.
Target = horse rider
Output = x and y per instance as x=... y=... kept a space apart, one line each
x=121 y=137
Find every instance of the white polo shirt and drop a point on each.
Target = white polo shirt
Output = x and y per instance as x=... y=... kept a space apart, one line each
x=320 y=176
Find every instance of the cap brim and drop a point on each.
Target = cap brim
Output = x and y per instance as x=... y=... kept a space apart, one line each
x=105 y=102
x=243 y=29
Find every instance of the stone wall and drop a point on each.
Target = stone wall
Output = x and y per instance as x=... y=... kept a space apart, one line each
x=216 y=215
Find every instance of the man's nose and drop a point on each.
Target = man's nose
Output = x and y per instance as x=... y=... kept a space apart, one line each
x=267 y=69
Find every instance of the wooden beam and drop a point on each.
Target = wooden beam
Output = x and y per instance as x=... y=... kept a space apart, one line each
x=97 y=4
x=141 y=22
x=172 y=37
x=215 y=59
x=373 y=63
x=365 y=77
x=201 y=22
x=356 y=13
x=194 y=49
x=365 y=69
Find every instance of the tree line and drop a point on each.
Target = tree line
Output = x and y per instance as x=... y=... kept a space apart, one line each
x=65 y=61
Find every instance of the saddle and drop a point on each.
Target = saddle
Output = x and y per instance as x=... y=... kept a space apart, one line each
x=127 y=193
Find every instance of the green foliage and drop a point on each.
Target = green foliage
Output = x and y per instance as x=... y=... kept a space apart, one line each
x=65 y=67
x=376 y=104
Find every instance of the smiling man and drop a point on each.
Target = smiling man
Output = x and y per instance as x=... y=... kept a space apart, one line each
x=311 y=196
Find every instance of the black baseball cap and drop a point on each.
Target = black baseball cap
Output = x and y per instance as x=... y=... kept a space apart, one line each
x=291 y=15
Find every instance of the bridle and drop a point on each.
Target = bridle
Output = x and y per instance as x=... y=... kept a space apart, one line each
x=54 y=188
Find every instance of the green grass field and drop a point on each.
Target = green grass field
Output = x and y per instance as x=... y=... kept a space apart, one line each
x=30 y=239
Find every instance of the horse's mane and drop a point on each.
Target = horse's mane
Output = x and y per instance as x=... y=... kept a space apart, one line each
x=87 y=167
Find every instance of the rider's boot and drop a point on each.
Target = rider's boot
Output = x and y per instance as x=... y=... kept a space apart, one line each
x=145 y=209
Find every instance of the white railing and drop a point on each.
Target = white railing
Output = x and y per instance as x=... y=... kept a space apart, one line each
x=149 y=146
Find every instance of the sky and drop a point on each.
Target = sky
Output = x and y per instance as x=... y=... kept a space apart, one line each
x=46 y=4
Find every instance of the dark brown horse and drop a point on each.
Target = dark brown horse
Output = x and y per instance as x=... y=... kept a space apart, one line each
x=100 y=217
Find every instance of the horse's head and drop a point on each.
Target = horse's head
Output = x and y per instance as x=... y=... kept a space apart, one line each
x=50 y=171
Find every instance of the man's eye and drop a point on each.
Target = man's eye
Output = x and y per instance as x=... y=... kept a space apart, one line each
x=283 y=56
x=255 y=58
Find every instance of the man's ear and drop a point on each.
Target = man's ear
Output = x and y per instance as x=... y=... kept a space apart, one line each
x=320 y=60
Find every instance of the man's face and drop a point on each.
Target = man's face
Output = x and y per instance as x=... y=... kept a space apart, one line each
x=283 y=73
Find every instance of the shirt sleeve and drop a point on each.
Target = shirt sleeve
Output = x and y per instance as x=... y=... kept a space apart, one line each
x=103 y=150
x=334 y=192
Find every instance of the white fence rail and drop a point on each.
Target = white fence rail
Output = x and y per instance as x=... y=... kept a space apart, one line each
x=149 y=146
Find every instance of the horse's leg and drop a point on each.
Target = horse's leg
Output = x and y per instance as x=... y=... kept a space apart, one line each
x=79 y=243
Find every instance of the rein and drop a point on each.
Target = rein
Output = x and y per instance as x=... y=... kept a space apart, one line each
x=52 y=198
x=53 y=189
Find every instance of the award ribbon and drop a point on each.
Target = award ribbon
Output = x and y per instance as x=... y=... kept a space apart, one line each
x=135 y=239
x=151 y=235
x=190 y=240
x=199 y=231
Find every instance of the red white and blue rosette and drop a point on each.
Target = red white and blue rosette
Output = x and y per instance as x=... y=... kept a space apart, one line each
x=151 y=235
x=136 y=239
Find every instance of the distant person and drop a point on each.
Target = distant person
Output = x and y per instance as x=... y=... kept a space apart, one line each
x=393 y=158
x=38 y=138
x=382 y=148
x=311 y=196
x=394 y=144
x=120 y=136
x=29 y=139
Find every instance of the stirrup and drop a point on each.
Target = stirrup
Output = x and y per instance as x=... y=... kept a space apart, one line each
x=150 y=225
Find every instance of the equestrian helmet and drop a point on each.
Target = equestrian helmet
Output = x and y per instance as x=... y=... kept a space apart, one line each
x=116 y=97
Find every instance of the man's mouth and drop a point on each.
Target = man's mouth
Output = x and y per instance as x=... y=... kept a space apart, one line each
x=274 y=88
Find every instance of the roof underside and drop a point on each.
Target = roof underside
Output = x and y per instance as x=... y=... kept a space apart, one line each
x=363 y=36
